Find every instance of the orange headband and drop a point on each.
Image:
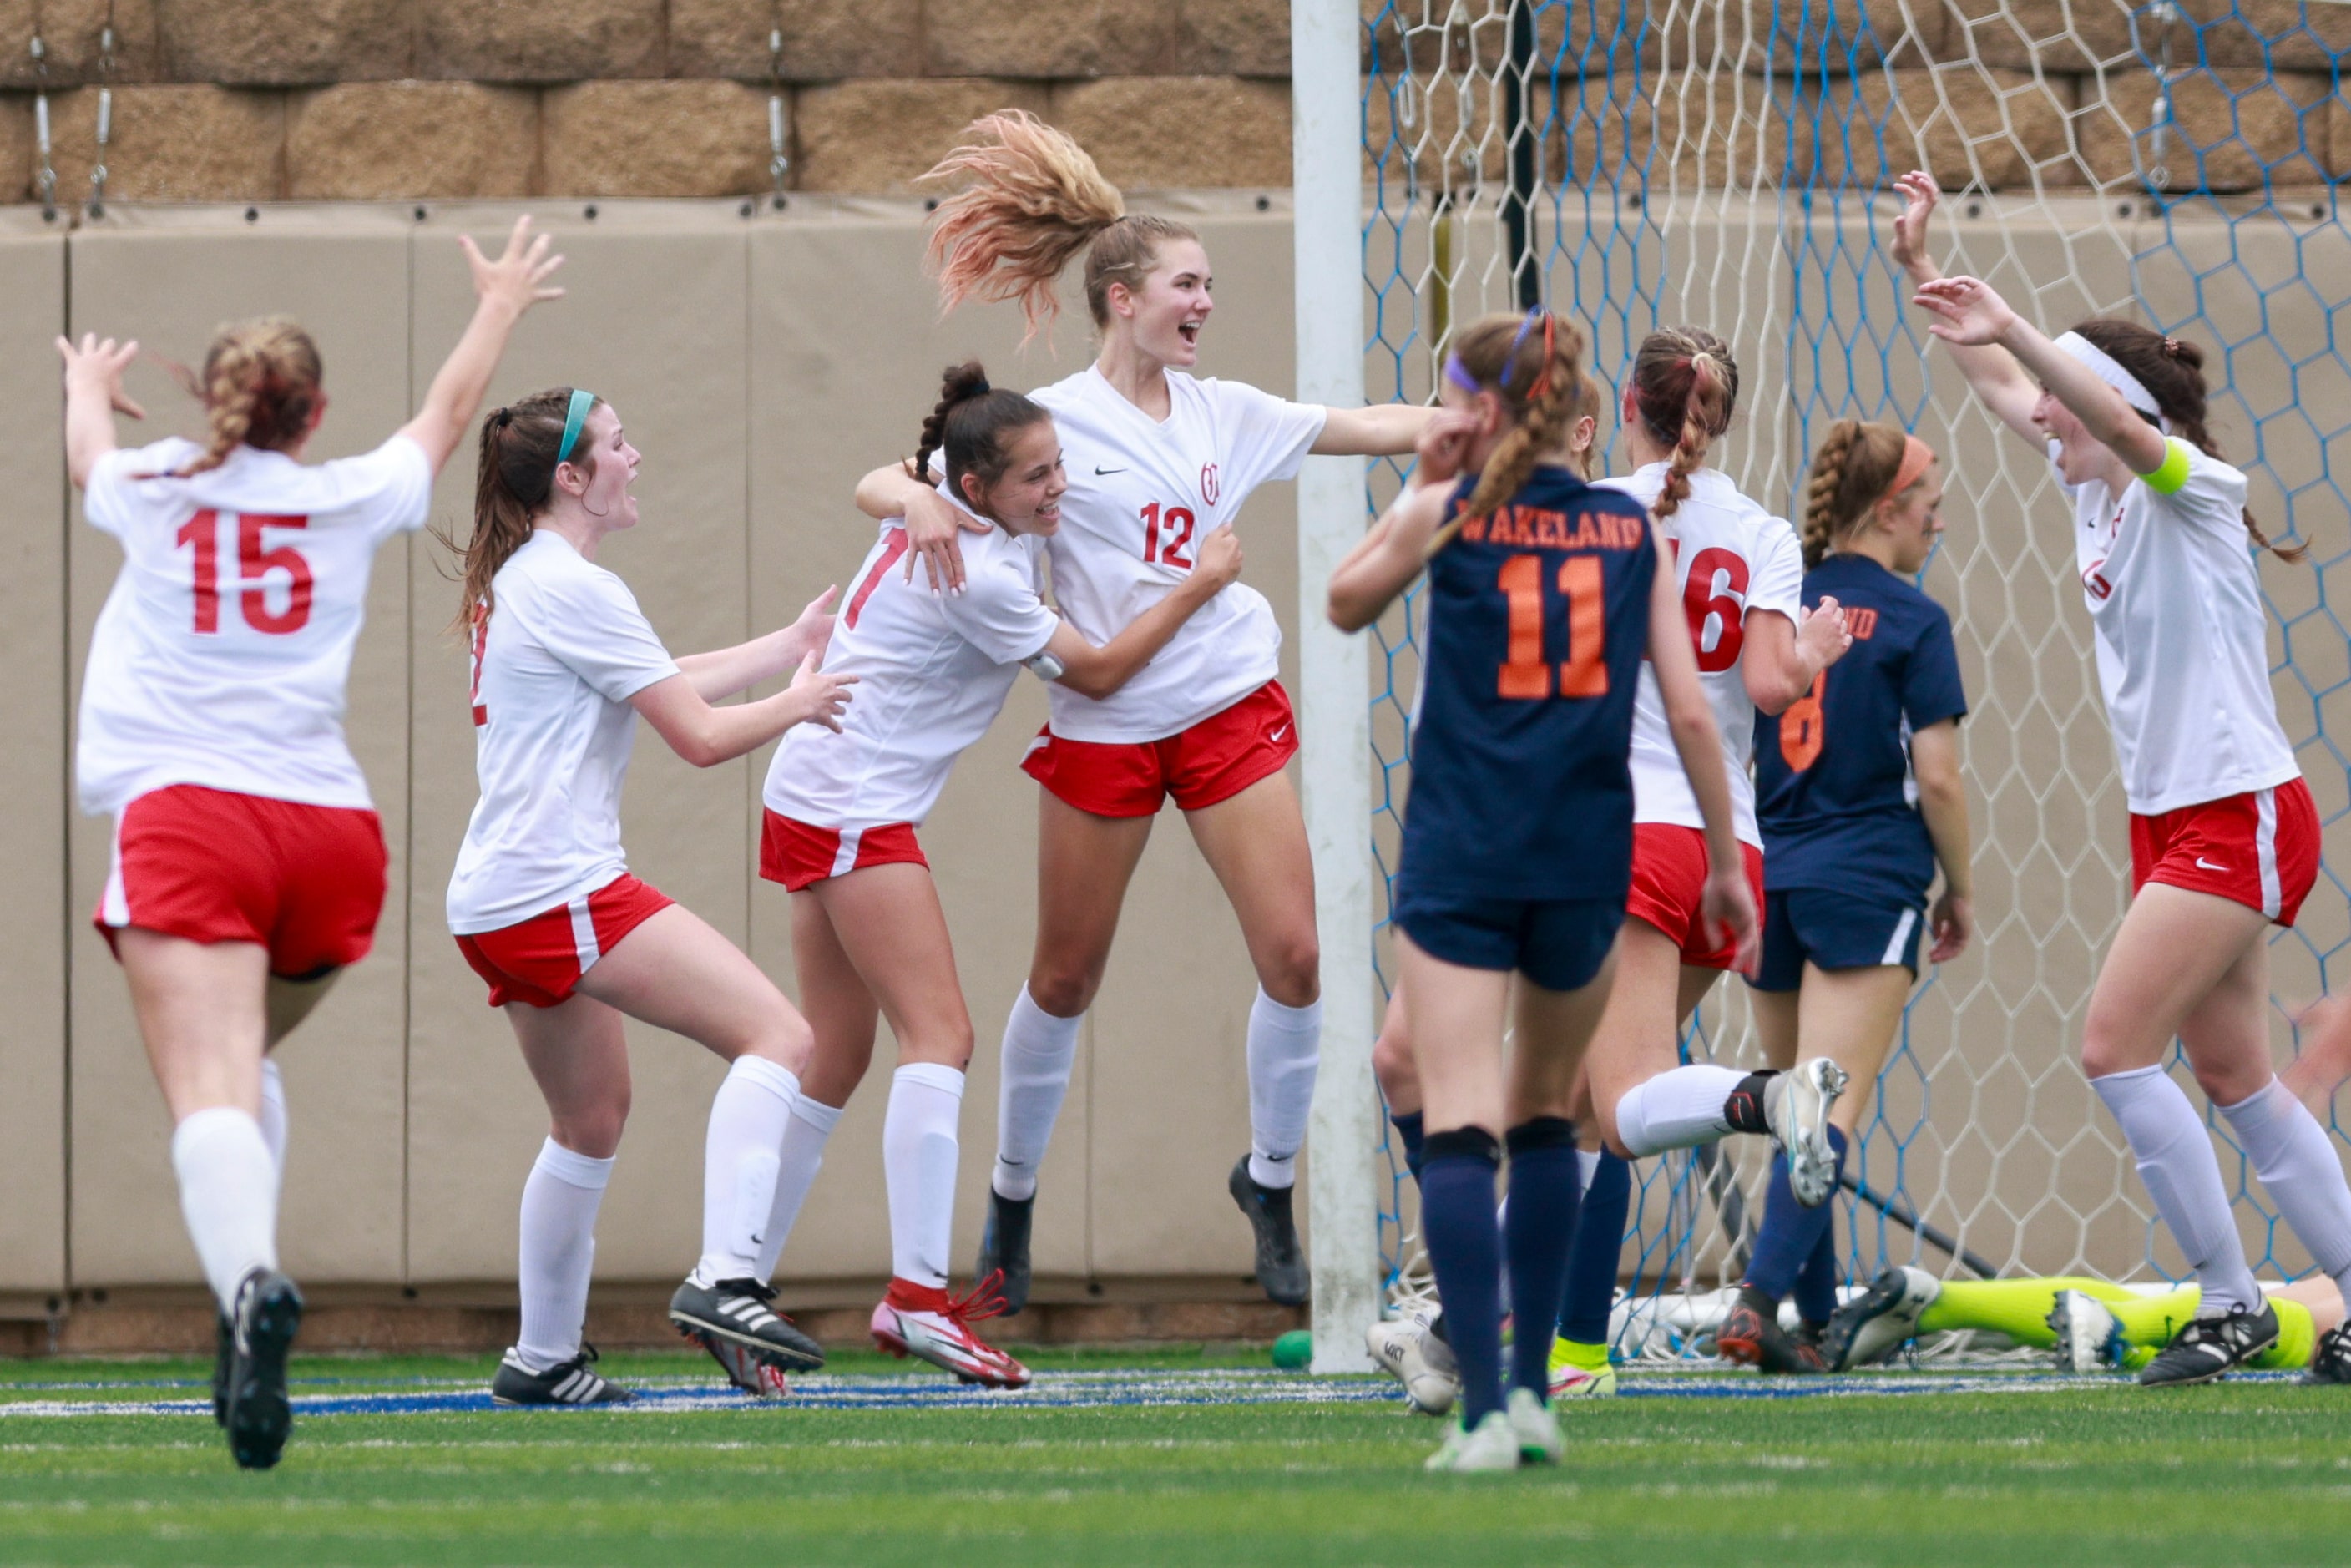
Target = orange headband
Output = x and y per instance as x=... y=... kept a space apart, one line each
x=1915 y=456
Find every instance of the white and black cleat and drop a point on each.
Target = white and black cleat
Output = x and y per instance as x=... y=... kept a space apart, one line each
x=1410 y=1351
x=2207 y=1348
x=268 y=1313
x=2089 y=1339
x=1004 y=1246
x=2330 y=1363
x=1282 y=1270
x=1796 y=1104
x=226 y=1337
x=569 y=1383
x=735 y=1312
x=1880 y=1321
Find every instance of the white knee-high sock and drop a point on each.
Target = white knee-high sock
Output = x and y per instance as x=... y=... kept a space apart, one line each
x=1285 y=1044
x=801 y=1157
x=273 y=1115
x=1039 y=1053
x=1587 y=1161
x=228 y=1192
x=918 y=1163
x=741 y=1157
x=1679 y=1109
x=2296 y=1162
x=2175 y=1160
x=558 y=1252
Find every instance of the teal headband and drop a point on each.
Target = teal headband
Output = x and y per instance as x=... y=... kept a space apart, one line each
x=582 y=400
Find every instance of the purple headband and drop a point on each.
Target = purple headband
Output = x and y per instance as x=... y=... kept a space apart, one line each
x=1458 y=374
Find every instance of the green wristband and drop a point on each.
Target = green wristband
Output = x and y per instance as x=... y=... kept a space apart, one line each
x=2172 y=476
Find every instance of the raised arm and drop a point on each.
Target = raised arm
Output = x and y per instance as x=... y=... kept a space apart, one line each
x=1943 y=802
x=1728 y=904
x=503 y=290
x=1991 y=370
x=1098 y=672
x=1393 y=552
x=1380 y=430
x=1970 y=313
x=93 y=397
x=1779 y=660
x=933 y=522
x=724 y=672
x=707 y=735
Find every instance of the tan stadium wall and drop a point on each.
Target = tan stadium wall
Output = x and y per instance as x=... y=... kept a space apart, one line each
x=761 y=365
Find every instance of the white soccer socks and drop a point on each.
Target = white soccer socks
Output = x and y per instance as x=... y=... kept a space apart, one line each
x=2296 y=1162
x=558 y=1252
x=1285 y=1044
x=1679 y=1109
x=801 y=1157
x=740 y=1160
x=228 y=1192
x=273 y=1115
x=2174 y=1161
x=1039 y=1053
x=918 y=1164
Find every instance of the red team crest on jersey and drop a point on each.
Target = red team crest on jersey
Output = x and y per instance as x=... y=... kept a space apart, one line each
x=1210 y=488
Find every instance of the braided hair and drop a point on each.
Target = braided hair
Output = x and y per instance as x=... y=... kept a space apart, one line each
x=1536 y=364
x=972 y=426
x=1685 y=386
x=1855 y=462
x=2172 y=369
x=259 y=386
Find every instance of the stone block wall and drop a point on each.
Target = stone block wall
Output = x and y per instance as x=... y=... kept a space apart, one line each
x=328 y=100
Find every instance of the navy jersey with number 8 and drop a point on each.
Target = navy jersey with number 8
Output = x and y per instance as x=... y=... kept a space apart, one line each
x=1537 y=620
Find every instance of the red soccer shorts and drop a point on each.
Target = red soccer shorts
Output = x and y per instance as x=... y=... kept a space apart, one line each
x=211 y=865
x=2259 y=848
x=539 y=960
x=1214 y=761
x=798 y=854
x=1669 y=885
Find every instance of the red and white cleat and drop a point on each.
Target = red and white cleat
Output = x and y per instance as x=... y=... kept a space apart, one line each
x=745 y=1369
x=931 y=1325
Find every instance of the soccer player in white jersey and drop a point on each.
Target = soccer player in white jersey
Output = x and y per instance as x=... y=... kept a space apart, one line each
x=248 y=865
x=1156 y=460
x=2224 y=835
x=869 y=938
x=543 y=908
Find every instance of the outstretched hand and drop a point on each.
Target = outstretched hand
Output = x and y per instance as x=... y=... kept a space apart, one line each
x=812 y=632
x=821 y=696
x=96 y=365
x=933 y=525
x=1969 y=313
x=1822 y=634
x=518 y=279
x=1909 y=249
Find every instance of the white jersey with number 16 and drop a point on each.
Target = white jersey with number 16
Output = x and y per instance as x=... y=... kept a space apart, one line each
x=221 y=656
x=1731 y=556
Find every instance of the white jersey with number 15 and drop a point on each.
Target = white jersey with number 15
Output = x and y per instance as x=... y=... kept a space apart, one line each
x=1141 y=493
x=1731 y=556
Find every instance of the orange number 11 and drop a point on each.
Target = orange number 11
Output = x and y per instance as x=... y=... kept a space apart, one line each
x=1525 y=674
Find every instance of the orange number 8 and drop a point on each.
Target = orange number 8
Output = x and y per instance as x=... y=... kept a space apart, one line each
x=1801 y=729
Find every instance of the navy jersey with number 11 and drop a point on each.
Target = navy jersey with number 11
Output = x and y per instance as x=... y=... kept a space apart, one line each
x=1537 y=620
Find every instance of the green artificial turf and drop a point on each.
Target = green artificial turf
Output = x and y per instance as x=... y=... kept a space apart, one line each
x=2244 y=1472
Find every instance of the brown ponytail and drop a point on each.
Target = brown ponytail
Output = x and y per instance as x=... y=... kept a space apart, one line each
x=1851 y=470
x=1536 y=363
x=512 y=483
x=2172 y=369
x=1035 y=200
x=259 y=387
x=1685 y=386
x=971 y=425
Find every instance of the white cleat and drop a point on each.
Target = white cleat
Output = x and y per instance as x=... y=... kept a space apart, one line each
x=1880 y=1321
x=2089 y=1340
x=1796 y=1104
x=1569 y=1381
x=1492 y=1445
x=944 y=1340
x=1407 y=1350
x=1536 y=1427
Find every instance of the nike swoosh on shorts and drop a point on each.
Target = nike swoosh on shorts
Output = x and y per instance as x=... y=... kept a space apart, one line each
x=2203 y=864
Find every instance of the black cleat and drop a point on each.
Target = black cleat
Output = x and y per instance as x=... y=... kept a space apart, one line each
x=569 y=1383
x=268 y=1312
x=2209 y=1347
x=1004 y=1246
x=1751 y=1337
x=2332 y=1361
x=1280 y=1264
x=225 y=1336
x=735 y=1312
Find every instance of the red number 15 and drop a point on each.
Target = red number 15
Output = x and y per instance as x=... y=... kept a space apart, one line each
x=201 y=534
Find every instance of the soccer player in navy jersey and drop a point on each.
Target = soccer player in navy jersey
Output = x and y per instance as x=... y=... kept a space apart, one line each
x=1516 y=858
x=1859 y=797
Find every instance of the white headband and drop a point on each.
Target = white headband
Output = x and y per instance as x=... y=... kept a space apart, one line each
x=2104 y=366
